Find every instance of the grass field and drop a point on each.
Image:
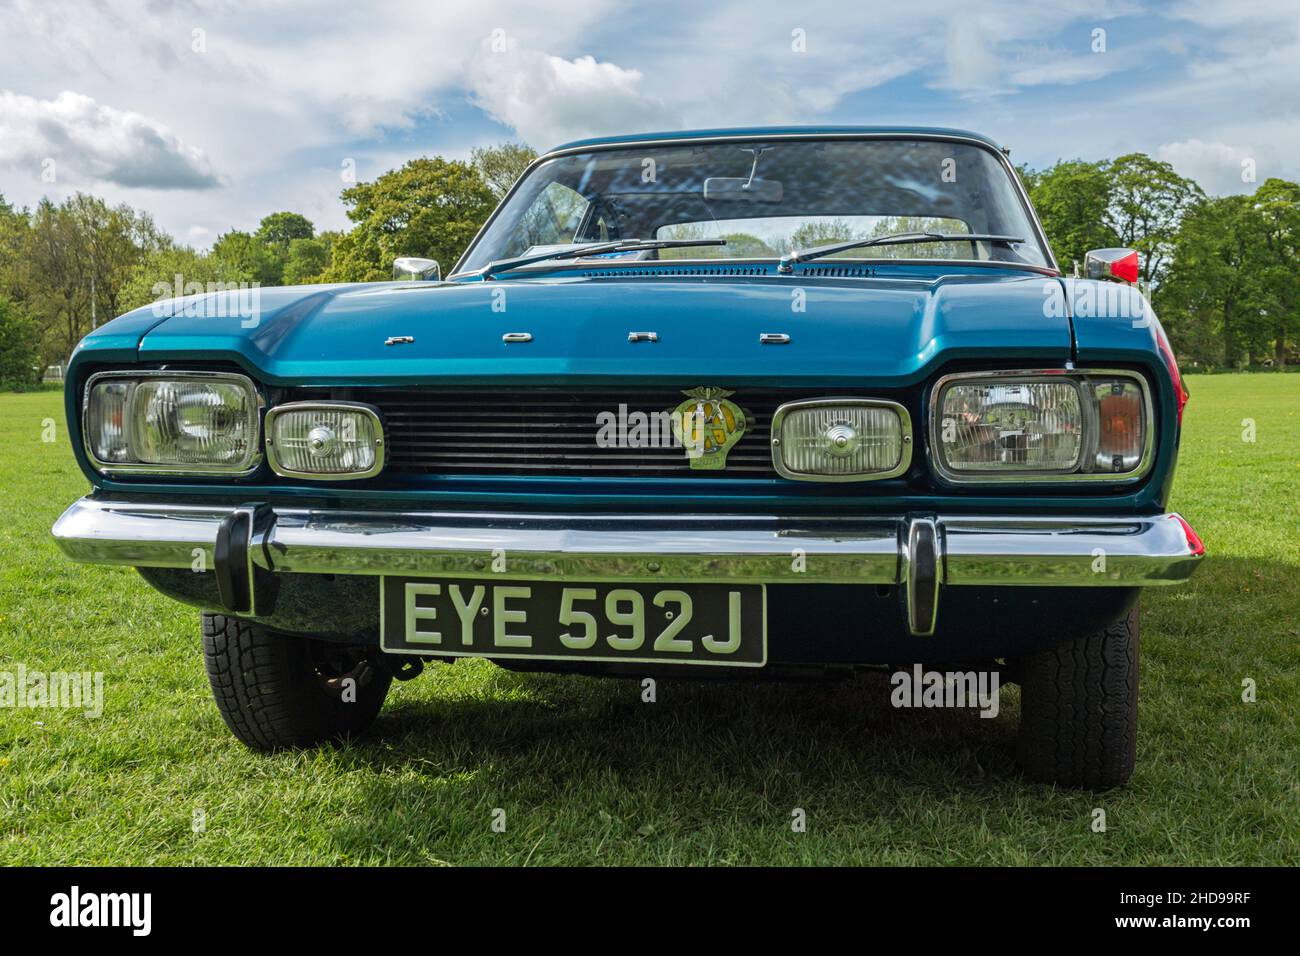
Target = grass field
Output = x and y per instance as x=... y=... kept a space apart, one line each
x=710 y=774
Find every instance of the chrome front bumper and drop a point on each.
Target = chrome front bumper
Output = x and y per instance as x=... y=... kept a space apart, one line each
x=919 y=553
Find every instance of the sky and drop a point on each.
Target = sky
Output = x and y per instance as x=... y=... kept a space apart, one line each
x=210 y=114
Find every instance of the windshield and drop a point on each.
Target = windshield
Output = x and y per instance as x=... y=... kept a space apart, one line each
x=765 y=200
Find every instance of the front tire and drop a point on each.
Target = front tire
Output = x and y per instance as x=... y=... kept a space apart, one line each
x=277 y=690
x=1078 y=709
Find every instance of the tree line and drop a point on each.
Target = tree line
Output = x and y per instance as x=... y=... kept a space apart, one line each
x=67 y=267
x=1223 y=272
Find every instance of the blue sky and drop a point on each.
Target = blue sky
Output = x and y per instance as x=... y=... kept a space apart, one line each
x=211 y=114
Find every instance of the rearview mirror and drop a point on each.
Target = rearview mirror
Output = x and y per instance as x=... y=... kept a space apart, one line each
x=421 y=270
x=733 y=188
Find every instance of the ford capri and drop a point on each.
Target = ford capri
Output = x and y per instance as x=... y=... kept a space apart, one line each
x=750 y=404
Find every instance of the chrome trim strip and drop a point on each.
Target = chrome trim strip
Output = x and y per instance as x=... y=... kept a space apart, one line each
x=250 y=464
x=1081 y=552
x=369 y=410
x=1002 y=157
x=975 y=550
x=1075 y=376
x=904 y=455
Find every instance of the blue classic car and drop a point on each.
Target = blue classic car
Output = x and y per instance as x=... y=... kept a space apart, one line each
x=748 y=404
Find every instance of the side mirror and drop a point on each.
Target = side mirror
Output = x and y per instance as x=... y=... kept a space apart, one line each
x=1118 y=264
x=420 y=270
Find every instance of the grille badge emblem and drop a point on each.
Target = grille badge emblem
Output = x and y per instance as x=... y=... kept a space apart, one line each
x=708 y=426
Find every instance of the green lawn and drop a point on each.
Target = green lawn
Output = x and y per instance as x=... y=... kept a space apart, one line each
x=587 y=773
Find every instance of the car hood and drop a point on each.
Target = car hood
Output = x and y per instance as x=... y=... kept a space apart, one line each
x=854 y=329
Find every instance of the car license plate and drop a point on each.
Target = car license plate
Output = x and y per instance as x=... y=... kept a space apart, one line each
x=711 y=624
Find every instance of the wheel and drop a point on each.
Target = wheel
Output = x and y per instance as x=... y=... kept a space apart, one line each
x=277 y=690
x=1078 y=709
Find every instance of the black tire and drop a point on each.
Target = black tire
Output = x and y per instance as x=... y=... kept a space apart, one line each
x=1078 y=709
x=277 y=690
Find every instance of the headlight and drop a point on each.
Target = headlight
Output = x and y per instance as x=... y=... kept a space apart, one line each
x=172 y=423
x=1041 y=426
x=841 y=439
x=324 y=440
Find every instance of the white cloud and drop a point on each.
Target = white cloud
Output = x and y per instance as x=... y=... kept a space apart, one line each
x=549 y=100
x=970 y=56
x=92 y=143
x=1060 y=68
x=1217 y=167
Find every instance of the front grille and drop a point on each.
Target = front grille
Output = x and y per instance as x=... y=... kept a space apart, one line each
x=542 y=431
x=553 y=431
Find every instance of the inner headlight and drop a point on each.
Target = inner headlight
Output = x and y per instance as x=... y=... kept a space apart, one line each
x=324 y=440
x=1040 y=426
x=841 y=439
x=171 y=423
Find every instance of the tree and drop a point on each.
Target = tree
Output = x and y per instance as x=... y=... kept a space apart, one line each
x=281 y=228
x=58 y=279
x=501 y=165
x=306 y=260
x=13 y=238
x=112 y=241
x=1147 y=203
x=817 y=232
x=1275 y=212
x=169 y=271
x=240 y=257
x=1210 y=298
x=76 y=257
x=429 y=207
x=19 y=360
x=1072 y=199
x=739 y=244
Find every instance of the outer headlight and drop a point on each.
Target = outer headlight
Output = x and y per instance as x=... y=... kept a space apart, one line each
x=172 y=423
x=841 y=439
x=1041 y=426
x=324 y=440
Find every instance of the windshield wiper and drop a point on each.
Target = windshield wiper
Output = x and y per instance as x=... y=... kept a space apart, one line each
x=894 y=239
x=491 y=270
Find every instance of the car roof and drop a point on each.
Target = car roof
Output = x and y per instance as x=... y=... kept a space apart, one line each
x=811 y=131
